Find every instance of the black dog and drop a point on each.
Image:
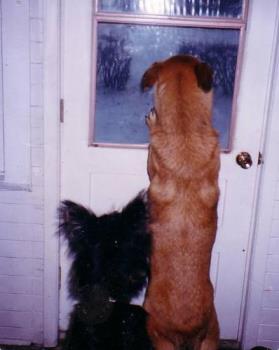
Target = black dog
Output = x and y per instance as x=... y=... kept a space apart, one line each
x=110 y=266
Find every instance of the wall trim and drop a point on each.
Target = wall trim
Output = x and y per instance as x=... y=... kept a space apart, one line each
x=51 y=170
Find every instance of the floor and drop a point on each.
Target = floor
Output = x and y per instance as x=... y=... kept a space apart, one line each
x=225 y=345
x=31 y=347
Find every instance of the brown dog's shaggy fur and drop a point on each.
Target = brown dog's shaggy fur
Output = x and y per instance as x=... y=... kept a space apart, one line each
x=183 y=166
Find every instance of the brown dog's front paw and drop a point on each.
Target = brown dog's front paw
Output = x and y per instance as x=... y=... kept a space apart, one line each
x=151 y=118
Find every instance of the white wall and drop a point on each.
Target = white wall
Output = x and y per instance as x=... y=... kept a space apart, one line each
x=22 y=208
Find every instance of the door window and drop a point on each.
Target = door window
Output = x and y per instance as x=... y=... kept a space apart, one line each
x=130 y=35
x=202 y=8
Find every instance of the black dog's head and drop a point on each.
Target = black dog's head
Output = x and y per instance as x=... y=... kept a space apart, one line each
x=110 y=252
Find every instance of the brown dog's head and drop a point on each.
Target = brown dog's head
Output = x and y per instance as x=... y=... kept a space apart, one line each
x=202 y=71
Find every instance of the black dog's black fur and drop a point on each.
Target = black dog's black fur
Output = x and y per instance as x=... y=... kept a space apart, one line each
x=123 y=328
x=110 y=261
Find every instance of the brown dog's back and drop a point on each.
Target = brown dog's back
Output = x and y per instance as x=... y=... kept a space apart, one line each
x=183 y=166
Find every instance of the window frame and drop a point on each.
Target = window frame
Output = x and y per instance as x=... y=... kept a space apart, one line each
x=161 y=20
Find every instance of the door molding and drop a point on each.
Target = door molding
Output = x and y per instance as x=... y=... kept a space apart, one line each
x=266 y=181
x=51 y=170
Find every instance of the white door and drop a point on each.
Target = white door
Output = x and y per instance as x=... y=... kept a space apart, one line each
x=106 y=177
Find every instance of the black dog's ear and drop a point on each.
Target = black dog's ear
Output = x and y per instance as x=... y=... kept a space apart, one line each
x=77 y=225
x=204 y=75
x=150 y=76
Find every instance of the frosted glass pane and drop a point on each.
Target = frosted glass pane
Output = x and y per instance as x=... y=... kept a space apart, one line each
x=211 y=8
x=126 y=51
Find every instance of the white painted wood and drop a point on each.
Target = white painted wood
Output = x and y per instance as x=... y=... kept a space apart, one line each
x=271 y=282
x=21 y=197
x=36 y=8
x=262 y=305
x=21 y=218
x=18 y=327
x=20 y=267
x=24 y=213
x=21 y=249
x=270 y=316
x=19 y=285
x=2 y=166
x=16 y=91
x=24 y=304
x=269 y=332
x=51 y=169
x=96 y=176
x=274 y=228
x=272 y=263
x=22 y=318
x=235 y=237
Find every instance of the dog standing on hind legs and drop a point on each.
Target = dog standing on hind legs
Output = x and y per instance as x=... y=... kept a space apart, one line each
x=183 y=166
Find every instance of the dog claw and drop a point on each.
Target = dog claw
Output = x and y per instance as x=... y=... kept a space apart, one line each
x=151 y=118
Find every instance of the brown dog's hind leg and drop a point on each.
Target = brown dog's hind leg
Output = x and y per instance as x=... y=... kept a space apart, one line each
x=163 y=344
x=211 y=341
x=159 y=342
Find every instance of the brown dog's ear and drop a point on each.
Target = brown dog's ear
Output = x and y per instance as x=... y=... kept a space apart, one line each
x=204 y=75
x=150 y=76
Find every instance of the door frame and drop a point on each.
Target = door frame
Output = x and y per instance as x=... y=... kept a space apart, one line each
x=52 y=23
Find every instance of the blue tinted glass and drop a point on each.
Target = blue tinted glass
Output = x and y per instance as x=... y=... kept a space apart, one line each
x=211 y=8
x=126 y=51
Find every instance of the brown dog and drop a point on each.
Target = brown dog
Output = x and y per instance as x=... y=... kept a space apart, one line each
x=183 y=166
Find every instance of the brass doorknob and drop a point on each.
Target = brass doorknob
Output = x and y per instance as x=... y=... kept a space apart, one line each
x=244 y=160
